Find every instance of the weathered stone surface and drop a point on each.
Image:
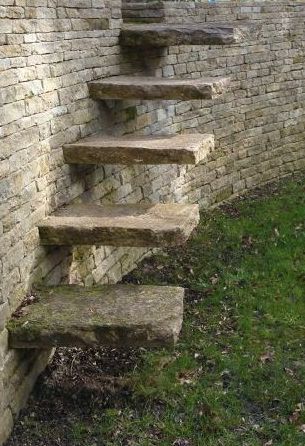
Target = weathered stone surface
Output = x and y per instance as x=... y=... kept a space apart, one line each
x=156 y=35
x=6 y=425
x=141 y=87
x=143 y=11
x=120 y=225
x=118 y=315
x=167 y=149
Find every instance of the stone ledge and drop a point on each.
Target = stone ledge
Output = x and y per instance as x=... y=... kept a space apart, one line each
x=162 y=35
x=118 y=315
x=134 y=225
x=153 y=88
x=129 y=150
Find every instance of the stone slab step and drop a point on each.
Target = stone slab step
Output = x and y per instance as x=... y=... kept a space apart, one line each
x=138 y=225
x=153 y=88
x=128 y=150
x=158 y=35
x=118 y=315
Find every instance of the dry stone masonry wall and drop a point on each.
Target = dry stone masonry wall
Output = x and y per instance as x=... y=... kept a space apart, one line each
x=49 y=50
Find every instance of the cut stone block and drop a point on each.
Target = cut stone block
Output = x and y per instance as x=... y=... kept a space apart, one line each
x=153 y=88
x=139 y=225
x=167 y=149
x=117 y=315
x=152 y=11
x=156 y=35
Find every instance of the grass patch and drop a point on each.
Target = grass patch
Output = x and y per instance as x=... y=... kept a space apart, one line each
x=237 y=375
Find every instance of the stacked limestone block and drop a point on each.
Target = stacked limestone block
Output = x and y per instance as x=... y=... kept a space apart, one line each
x=48 y=52
x=259 y=124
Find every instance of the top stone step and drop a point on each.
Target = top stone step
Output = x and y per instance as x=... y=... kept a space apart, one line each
x=158 y=35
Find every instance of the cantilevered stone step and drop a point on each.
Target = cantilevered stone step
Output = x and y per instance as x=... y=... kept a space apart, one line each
x=156 y=35
x=118 y=315
x=150 y=88
x=137 y=225
x=167 y=149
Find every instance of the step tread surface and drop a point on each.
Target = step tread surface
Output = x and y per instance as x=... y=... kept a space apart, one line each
x=156 y=35
x=138 y=225
x=154 y=88
x=165 y=149
x=115 y=315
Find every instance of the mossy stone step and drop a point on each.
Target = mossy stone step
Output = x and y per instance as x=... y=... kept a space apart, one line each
x=128 y=150
x=154 y=88
x=158 y=35
x=118 y=315
x=138 y=225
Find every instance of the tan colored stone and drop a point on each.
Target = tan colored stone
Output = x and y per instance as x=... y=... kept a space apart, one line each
x=6 y=425
x=120 y=225
x=158 y=35
x=21 y=390
x=150 y=88
x=167 y=149
x=118 y=315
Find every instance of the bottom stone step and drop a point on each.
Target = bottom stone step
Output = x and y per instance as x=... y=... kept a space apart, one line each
x=117 y=315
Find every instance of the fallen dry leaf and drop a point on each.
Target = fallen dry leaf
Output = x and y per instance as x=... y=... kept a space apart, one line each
x=267 y=357
x=296 y=414
x=214 y=279
x=289 y=371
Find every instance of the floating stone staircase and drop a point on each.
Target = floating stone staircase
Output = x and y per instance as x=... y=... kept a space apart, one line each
x=125 y=315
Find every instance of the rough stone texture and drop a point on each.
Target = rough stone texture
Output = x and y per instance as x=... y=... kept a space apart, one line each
x=20 y=372
x=116 y=315
x=130 y=150
x=7 y=424
x=152 y=88
x=144 y=12
x=163 y=35
x=141 y=225
x=49 y=51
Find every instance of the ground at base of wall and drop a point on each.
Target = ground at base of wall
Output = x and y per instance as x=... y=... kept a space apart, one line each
x=238 y=373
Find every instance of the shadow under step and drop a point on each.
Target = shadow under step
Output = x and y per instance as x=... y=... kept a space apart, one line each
x=158 y=35
x=132 y=225
x=154 y=88
x=116 y=315
x=129 y=150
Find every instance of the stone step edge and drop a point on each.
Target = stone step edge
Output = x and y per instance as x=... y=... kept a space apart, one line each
x=154 y=88
x=160 y=35
x=130 y=225
x=110 y=315
x=149 y=150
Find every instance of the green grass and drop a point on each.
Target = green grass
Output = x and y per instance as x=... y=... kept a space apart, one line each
x=237 y=376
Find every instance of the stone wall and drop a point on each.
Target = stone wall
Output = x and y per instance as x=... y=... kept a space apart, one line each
x=49 y=50
x=259 y=124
